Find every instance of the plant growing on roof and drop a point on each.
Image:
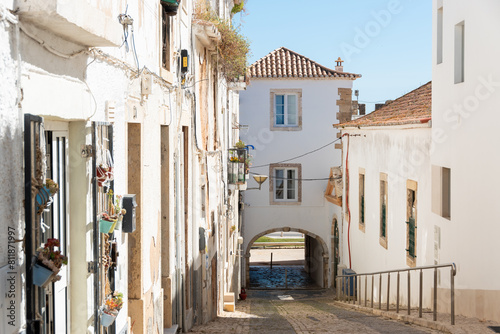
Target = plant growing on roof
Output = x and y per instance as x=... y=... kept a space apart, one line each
x=238 y=7
x=233 y=49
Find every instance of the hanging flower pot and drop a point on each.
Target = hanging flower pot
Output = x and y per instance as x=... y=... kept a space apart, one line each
x=118 y=225
x=48 y=263
x=106 y=226
x=111 y=308
x=43 y=198
x=170 y=6
x=41 y=274
x=102 y=174
x=107 y=319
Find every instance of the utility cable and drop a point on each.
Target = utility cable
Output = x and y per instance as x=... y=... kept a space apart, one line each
x=302 y=179
x=299 y=156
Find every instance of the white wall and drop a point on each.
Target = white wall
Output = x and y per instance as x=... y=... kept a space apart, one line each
x=465 y=127
x=12 y=181
x=318 y=114
x=403 y=154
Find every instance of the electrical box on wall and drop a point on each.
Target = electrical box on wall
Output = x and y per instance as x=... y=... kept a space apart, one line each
x=129 y=203
x=202 y=239
x=184 y=61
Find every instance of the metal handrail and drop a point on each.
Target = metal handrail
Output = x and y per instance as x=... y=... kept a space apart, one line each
x=349 y=295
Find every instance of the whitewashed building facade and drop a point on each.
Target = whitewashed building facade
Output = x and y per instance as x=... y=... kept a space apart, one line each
x=386 y=168
x=465 y=75
x=135 y=84
x=289 y=107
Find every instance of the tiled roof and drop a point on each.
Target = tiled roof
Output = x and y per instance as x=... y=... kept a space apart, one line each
x=411 y=108
x=284 y=63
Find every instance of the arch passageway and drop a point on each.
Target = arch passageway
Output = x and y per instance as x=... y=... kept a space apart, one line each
x=300 y=261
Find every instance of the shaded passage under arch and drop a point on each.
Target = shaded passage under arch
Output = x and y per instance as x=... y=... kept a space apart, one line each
x=303 y=266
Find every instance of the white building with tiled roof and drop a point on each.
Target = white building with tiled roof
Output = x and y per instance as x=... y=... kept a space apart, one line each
x=289 y=108
x=386 y=168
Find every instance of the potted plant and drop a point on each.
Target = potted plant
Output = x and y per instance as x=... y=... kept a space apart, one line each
x=45 y=193
x=104 y=174
x=170 y=6
x=49 y=263
x=111 y=309
x=243 y=294
x=240 y=144
x=113 y=217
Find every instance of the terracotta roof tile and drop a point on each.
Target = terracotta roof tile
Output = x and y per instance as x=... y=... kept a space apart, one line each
x=411 y=108
x=284 y=63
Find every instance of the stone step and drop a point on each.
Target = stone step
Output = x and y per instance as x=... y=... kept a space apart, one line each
x=229 y=306
x=229 y=297
x=171 y=330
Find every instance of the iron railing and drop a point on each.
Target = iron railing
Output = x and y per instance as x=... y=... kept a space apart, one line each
x=349 y=288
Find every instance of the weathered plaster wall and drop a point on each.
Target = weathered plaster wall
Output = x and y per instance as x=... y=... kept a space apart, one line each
x=12 y=181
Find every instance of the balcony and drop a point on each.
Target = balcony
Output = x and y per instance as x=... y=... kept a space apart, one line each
x=238 y=168
x=83 y=24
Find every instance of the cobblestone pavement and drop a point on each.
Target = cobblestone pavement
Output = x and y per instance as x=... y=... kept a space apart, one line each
x=302 y=312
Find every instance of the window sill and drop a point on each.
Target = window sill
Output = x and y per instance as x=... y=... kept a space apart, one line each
x=383 y=242
x=362 y=228
x=411 y=261
x=273 y=202
x=286 y=128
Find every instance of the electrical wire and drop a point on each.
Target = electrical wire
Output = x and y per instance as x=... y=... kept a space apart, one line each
x=299 y=156
x=135 y=51
x=90 y=90
x=290 y=179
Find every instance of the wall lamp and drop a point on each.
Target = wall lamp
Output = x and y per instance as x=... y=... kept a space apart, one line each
x=259 y=179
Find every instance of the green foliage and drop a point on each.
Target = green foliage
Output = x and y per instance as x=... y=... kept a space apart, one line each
x=233 y=49
x=238 y=8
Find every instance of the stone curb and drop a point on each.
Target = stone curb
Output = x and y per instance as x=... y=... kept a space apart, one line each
x=400 y=317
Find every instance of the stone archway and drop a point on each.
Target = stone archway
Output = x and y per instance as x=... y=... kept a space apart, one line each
x=324 y=261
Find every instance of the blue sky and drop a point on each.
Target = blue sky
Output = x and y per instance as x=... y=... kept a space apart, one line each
x=388 y=42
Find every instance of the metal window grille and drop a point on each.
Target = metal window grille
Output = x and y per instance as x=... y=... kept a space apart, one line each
x=383 y=221
x=362 y=209
x=411 y=236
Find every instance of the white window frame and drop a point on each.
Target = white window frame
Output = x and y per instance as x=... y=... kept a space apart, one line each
x=297 y=184
x=286 y=113
x=297 y=126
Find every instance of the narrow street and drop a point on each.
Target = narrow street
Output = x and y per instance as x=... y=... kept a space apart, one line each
x=300 y=311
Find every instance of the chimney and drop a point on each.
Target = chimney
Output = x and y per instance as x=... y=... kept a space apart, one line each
x=339 y=67
x=362 y=109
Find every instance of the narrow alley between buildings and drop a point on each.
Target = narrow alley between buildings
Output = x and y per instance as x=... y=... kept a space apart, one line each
x=300 y=311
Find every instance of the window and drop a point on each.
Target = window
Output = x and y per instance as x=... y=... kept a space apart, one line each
x=286 y=109
x=362 y=199
x=383 y=210
x=165 y=36
x=441 y=191
x=285 y=186
x=411 y=223
x=439 y=36
x=459 y=52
